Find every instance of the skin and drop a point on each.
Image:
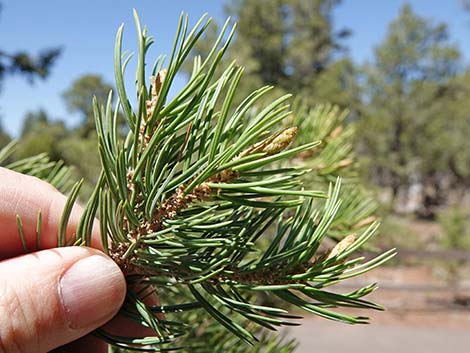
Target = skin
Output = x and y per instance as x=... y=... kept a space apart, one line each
x=51 y=299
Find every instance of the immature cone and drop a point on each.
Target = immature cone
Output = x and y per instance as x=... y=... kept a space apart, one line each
x=281 y=141
x=274 y=143
x=157 y=83
x=342 y=245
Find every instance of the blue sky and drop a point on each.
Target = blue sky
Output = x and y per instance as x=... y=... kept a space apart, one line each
x=86 y=30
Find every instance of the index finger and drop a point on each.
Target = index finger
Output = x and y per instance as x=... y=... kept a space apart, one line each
x=24 y=195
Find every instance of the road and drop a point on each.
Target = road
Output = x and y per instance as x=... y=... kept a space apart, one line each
x=321 y=336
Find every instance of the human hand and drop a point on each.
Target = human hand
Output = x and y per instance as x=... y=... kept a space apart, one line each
x=52 y=297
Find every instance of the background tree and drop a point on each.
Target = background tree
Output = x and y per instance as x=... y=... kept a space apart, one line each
x=459 y=130
x=407 y=99
x=41 y=135
x=23 y=63
x=4 y=137
x=74 y=145
x=292 y=45
x=79 y=96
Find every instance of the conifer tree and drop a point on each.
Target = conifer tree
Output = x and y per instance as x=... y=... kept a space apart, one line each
x=412 y=111
x=292 y=45
x=203 y=205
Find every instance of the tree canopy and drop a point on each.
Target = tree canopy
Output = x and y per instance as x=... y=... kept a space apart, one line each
x=79 y=96
x=292 y=45
x=413 y=88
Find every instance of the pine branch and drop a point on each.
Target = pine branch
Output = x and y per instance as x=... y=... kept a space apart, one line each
x=189 y=200
x=55 y=173
x=333 y=158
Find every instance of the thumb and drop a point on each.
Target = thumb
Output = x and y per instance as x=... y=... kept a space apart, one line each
x=53 y=297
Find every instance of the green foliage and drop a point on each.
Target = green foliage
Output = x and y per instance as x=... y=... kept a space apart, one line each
x=81 y=153
x=27 y=65
x=334 y=157
x=75 y=146
x=410 y=101
x=4 y=137
x=413 y=121
x=187 y=198
x=398 y=232
x=207 y=201
x=455 y=135
x=79 y=96
x=455 y=223
x=41 y=135
x=292 y=46
x=40 y=166
x=211 y=339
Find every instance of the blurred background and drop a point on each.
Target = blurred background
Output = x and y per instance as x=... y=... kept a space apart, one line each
x=401 y=68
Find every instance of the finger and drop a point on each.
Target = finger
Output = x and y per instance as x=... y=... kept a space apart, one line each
x=24 y=196
x=52 y=297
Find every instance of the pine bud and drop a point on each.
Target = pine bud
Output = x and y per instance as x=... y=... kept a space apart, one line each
x=273 y=144
x=342 y=245
x=281 y=141
x=157 y=82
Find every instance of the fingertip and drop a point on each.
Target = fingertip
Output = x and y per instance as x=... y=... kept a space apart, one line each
x=62 y=294
x=91 y=291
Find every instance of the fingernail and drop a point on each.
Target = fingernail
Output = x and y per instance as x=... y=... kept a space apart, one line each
x=91 y=291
